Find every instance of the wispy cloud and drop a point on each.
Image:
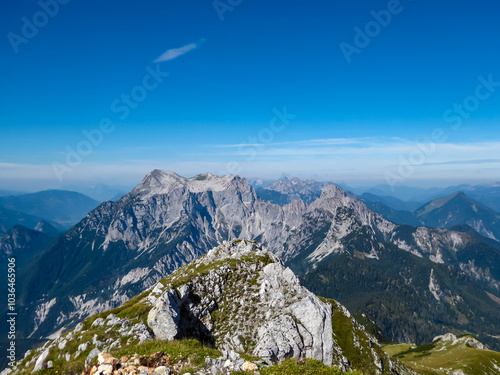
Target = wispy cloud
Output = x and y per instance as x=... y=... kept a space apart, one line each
x=176 y=52
x=371 y=148
x=462 y=162
x=309 y=142
x=354 y=142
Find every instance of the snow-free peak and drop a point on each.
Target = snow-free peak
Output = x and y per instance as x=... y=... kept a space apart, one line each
x=163 y=182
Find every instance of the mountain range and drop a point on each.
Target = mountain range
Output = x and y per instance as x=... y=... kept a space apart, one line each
x=415 y=282
x=487 y=194
x=444 y=212
x=391 y=202
x=97 y=191
x=65 y=208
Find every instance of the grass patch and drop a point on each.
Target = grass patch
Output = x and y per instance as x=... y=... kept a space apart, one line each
x=417 y=350
x=289 y=367
x=440 y=358
x=176 y=350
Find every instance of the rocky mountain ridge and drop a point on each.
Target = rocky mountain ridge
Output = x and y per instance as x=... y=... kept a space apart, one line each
x=124 y=247
x=238 y=298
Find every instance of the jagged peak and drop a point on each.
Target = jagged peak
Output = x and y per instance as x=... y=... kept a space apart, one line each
x=236 y=250
x=163 y=182
x=333 y=191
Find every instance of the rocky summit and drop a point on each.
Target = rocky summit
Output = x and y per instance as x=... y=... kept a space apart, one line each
x=243 y=307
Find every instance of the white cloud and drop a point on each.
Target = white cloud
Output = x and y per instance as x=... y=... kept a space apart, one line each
x=176 y=52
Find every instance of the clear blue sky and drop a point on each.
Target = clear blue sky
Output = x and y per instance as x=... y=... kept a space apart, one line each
x=231 y=69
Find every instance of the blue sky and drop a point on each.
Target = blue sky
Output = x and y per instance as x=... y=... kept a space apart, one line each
x=258 y=88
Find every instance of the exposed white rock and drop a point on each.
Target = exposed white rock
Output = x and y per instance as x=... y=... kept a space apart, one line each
x=41 y=313
x=134 y=276
x=449 y=339
x=98 y=322
x=316 y=317
x=434 y=287
x=41 y=360
x=62 y=344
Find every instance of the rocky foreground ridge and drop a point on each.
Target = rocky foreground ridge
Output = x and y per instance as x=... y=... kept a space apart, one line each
x=238 y=299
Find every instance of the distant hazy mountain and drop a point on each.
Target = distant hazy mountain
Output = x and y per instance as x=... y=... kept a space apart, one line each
x=415 y=282
x=116 y=197
x=285 y=190
x=404 y=193
x=47 y=229
x=390 y=201
x=391 y=214
x=458 y=209
x=6 y=193
x=487 y=194
x=61 y=206
x=9 y=218
x=99 y=192
x=258 y=182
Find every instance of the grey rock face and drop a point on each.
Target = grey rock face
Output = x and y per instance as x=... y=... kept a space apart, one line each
x=280 y=338
x=164 y=317
x=306 y=330
x=315 y=321
x=246 y=295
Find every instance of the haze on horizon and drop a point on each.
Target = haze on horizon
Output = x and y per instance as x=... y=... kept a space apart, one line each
x=364 y=93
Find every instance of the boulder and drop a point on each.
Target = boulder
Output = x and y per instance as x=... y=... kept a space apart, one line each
x=164 y=317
